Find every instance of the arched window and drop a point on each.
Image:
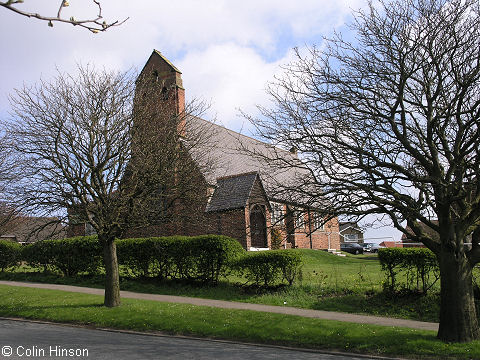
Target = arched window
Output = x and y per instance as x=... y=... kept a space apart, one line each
x=164 y=93
x=155 y=75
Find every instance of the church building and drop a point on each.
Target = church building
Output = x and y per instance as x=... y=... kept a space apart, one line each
x=242 y=194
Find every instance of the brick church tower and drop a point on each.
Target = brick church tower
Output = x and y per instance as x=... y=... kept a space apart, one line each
x=160 y=85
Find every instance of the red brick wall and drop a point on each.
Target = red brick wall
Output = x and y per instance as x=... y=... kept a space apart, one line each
x=230 y=223
x=156 y=75
x=300 y=237
x=76 y=230
x=233 y=223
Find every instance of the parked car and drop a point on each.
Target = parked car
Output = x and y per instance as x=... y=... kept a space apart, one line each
x=374 y=248
x=352 y=248
x=366 y=246
x=371 y=247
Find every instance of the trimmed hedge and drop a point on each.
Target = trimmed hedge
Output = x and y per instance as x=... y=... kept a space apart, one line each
x=139 y=255
x=200 y=258
x=70 y=256
x=10 y=254
x=213 y=256
x=204 y=258
x=268 y=267
x=418 y=264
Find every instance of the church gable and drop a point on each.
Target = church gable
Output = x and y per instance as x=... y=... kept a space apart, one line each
x=232 y=192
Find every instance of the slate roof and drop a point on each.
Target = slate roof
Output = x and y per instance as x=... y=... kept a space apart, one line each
x=427 y=229
x=232 y=192
x=32 y=229
x=344 y=225
x=233 y=153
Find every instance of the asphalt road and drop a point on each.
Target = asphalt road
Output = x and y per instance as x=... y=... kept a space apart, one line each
x=25 y=340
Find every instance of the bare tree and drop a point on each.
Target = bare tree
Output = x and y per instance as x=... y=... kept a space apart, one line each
x=78 y=148
x=170 y=157
x=389 y=124
x=93 y=24
x=8 y=212
x=8 y=217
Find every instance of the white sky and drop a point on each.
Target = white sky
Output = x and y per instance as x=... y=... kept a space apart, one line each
x=227 y=50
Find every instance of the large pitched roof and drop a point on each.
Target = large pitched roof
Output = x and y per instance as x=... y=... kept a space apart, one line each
x=427 y=229
x=32 y=229
x=233 y=153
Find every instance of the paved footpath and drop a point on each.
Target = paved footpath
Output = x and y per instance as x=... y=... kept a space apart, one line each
x=319 y=314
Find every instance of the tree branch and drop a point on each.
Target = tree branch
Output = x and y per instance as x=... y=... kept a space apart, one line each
x=94 y=25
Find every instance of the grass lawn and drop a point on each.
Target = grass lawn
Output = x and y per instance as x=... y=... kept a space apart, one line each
x=348 y=284
x=142 y=315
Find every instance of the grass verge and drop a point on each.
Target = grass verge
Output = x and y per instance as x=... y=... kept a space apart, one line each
x=332 y=283
x=306 y=296
x=241 y=325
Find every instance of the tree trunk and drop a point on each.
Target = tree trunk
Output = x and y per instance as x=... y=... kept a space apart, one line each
x=112 y=282
x=458 y=316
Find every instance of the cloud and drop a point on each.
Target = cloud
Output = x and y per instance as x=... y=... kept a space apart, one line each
x=236 y=45
x=244 y=41
x=231 y=77
x=192 y=24
x=227 y=50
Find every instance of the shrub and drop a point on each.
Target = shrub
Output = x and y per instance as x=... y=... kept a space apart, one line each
x=182 y=258
x=37 y=255
x=276 y=239
x=213 y=255
x=204 y=258
x=9 y=254
x=138 y=255
x=419 y=264
x=390 y=259
x=267 y=267
x=70 y=256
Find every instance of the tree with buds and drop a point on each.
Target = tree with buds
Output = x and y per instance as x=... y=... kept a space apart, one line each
x=94 y=24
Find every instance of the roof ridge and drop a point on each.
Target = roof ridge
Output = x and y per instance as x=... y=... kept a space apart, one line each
x=237 y=175
x=166 y=60
x=155 y=51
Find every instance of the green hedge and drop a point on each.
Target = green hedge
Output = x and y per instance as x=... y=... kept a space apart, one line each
x=204 y=258
x=138 y=255
x=200 y=258
x=213 y=256
x=419 y=265
x=70 y=256
x=269 y=267
x=10 y=254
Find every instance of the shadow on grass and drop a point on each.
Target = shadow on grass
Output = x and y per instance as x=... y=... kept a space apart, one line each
x=96 y=281
x=423 y=308
x=414 y=307
x=19 y=308
x=365 y=257
x=223 y=291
